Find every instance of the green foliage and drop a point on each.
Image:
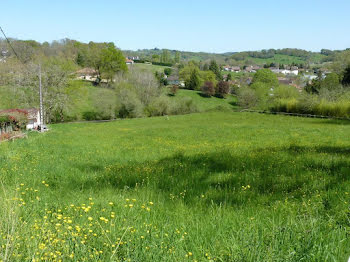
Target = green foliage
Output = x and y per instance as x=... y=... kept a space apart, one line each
x=331 y=81
x=128 y=104
x=346 y=76
x=247 y=97
x=213 y=66
x=267 y=77
x=168 y=71
x=194 y=81
x=285 y=92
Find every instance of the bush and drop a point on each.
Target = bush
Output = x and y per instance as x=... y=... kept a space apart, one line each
x=183 y=106
x=222 y=89
x=128 y=104
x=173 y=90
x=90 y=115
x=168 y=71
x=247 y=97
x=208 y=89
x=285 y=92
x=162 y=64
x=266 y=76
x=159 y=107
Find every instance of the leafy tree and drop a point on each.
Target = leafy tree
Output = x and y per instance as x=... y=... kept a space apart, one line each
x=266 y=76
x=215 y=69
x=346 y=77
x=177 y=57
x=207 y=76
x=112 y=61
x=229 y=77
x=194 y=81
x=222 y=88
x=168 y=71
x=106 y=59
x=155 y=58
x=208 y=89
x=165 y=57
x=332 y=81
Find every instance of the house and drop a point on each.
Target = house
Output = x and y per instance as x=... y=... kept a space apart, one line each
x=133 y=58
x=173 y=80
x=32 y=115
x=235 y=69
x=129 y=61
x=285 y=81
x=285 y=71
x=86 y=74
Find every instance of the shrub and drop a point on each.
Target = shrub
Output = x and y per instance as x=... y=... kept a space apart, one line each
x=222 y=89
x=266 y=76
x=285 y=92
x=159 y=107
x=173 y=90
x=128 y=104
x=168 y=71
x=162 y=64
x=183 y=106
x=247 y=97
x=89 y=115
x=208 y=89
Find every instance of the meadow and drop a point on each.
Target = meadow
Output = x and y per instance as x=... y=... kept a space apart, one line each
x=215 y=186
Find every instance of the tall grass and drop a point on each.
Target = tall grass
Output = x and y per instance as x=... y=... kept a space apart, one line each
x=201 y=187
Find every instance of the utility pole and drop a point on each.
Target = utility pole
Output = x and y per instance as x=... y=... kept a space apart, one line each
x=41 y=102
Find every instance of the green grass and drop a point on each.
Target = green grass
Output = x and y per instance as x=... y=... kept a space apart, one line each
x=207 y=103
x=149 y=67
x=287 y=60
x=201 y=187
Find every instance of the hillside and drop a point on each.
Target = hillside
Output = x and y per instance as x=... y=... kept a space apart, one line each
x=84 y=97
x=201 y=187
x=286 y=56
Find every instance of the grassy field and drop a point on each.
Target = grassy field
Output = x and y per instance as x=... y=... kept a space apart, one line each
x=149 y=67
x=207 y=103
x=202 y=187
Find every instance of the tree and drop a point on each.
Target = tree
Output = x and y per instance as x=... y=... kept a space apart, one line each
x=155 y=58
x=266 y=76
x=194 y=81
x=112 y=61
x=222 y=89
x=168 y=71
x=346 y=76
x=165 y=57
x=106 y=59
x=229 y=77
x=332 y=81
x=208 y=89
x=207 y=76
x=177 y=57
x=215 y=69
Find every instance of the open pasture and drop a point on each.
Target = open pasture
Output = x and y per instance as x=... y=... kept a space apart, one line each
x=201 y=187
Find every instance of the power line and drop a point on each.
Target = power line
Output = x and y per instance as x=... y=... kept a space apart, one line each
x=8 y=41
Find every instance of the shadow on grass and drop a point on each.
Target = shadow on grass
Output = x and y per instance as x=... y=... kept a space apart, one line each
x=332 y=122
x=257 y=177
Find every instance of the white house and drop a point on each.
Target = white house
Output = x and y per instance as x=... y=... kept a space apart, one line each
x=33 y=118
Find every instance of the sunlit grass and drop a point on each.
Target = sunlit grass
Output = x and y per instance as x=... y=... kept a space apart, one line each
x=201 y=187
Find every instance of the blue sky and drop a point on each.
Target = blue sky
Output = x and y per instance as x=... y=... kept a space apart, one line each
x=192 y=25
